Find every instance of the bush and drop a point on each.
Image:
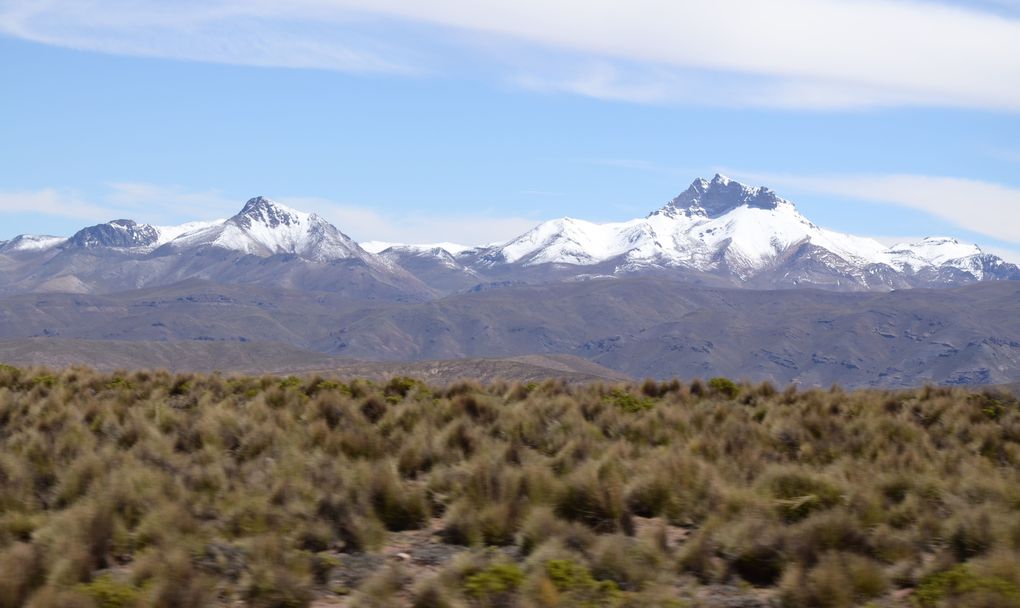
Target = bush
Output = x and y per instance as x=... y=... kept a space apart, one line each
x=109 y=593
x=798 y=495
x=837 y=581
x=399 y=505
x=595 y=498
x=276 y=588
x=21 y=571
x=628 y=402
x=724 y=386
x=576 y=586
x=495 y=585
x=961 y=586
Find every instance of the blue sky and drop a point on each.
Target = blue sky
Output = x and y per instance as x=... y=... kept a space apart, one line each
x=468 y=122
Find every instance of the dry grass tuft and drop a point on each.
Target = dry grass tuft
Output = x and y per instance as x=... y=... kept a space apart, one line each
x=153 y=489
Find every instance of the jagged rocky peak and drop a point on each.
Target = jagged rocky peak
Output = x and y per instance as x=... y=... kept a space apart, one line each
x=116 y=233
x=268 y=212
x=718 y=197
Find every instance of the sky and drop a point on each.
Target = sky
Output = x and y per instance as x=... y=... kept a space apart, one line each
x=472 y=120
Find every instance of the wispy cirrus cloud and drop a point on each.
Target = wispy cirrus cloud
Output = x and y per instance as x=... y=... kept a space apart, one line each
x=819 y=54
x=219 y=31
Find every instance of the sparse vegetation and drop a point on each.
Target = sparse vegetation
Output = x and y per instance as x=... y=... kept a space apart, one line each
x=150 y=489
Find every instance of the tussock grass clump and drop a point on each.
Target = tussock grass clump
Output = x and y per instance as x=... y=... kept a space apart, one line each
x=155 y=489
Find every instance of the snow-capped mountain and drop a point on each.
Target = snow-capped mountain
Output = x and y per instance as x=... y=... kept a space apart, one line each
x=717 y=232
x=265 y=228
x=436 y=264
x=746 y=234
x=262 y=228
x=266 y=242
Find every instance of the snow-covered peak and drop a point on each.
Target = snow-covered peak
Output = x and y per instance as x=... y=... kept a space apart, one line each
x=264 y=227
x=121 y=234
x=265 y=211
x=718 y=197
x=936 y=250
x=572 y=241
x=711 y=223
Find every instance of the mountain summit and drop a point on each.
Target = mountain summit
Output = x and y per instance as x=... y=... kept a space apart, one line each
x=269 y=212
x=265 y=227
x=718 y=197
x=116 y=233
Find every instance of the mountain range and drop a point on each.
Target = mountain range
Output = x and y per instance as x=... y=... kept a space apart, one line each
x=266 y=243
x=717 y=232
x=723 y=279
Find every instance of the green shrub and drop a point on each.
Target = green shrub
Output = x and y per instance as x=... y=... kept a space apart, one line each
x=961 y=586
x=495 y=585
x=109 y=593
x=628 y=401
x=724 y=386
x=577 y=586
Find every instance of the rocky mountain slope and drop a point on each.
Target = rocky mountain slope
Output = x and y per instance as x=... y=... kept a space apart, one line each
x=280 y=359
x=637 y=326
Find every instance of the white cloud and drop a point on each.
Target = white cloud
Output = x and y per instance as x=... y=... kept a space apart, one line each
x=825 y=51
x=49 y=201
x=142 y=202
x=984 y=207
x=367 y=224
x=795 y=53
x=168 y=204
x=1010 y=255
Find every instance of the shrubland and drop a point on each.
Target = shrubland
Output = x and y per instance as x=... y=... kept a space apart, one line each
x=153 y=489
